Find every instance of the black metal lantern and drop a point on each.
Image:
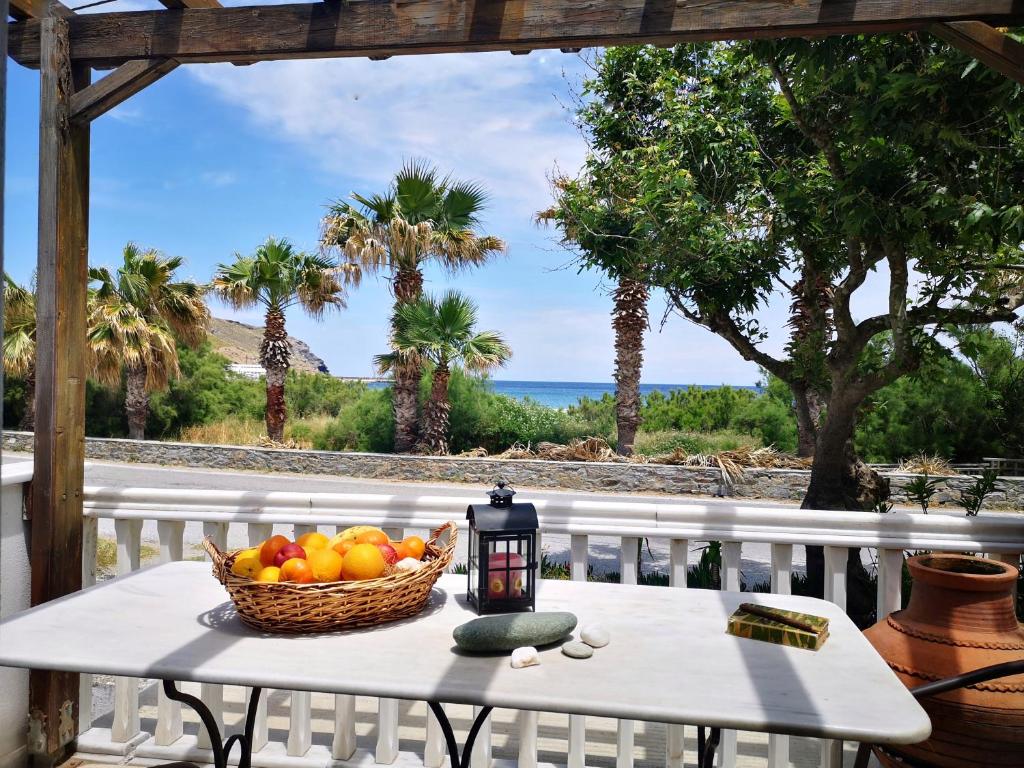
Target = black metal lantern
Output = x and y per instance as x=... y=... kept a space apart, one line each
x=502 y=554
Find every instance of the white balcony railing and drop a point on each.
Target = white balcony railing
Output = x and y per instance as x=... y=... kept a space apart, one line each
x=678 y=524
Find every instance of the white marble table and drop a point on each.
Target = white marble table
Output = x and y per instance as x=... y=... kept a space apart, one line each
x=670 y=659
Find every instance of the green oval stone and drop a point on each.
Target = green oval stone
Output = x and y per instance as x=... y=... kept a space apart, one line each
x=513 y=630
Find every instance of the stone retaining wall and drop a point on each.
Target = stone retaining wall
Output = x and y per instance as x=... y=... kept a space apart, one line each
x=775 y=484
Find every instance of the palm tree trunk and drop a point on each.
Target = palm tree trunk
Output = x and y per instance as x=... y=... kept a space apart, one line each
x=28 y=418
x=405 y=389
x=629 y=319
x=136 y=403
x=275 y=355
x=436 y=413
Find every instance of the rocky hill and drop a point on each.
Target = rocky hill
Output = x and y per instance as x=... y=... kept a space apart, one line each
x=240 y=343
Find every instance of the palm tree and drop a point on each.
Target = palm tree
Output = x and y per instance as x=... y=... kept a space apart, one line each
x=421 y=217
x=591 y=221
x=443 y=333
x=277 y=277
x=20 y=343
x=136 y=318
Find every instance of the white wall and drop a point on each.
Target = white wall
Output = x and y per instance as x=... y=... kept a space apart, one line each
x=14 y=597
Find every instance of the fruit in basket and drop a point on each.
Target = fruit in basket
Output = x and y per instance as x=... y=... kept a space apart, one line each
x=269 y=574
x=415 y=545
x=246 y=565
x=401 y=550
x=342 y=547
x=390 y=555
x=325 y=564
x=270 y=548
x=363 y=561
x=353 y=532
x=298 y=570
x=289 y=552
x=312 y=540
x=372 y=537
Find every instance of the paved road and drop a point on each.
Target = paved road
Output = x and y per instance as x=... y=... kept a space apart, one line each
x=604 y=551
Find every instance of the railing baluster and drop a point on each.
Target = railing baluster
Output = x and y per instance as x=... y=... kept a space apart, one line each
x=387 y=731
x=343 y=745
x=527 y=757
x=835 y=591
x=890 y=582
x=434 y=747
x=481 y=754
x=675 y=735
x=629 y=572
x=126 y=689
x=732 y=552
x=90 y=542
x=256 y=534
x=213 y=695
x=578 y=562
x=782 y=584
x=300 y=724
x=169 y=729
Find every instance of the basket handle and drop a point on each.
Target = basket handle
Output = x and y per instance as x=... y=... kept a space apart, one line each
x=219 y=558
x=450 y=528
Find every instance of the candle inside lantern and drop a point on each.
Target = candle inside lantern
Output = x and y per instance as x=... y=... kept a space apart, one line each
x=497 y=587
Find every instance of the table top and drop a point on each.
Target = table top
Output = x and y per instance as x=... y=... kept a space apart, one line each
x=669 y=660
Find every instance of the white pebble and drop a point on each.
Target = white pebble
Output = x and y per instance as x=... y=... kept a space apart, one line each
x=595 y=636
x=526 y=656
x=408 y=564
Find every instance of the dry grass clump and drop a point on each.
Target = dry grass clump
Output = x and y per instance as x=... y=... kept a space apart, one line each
x=243 y=431
x=923 y=464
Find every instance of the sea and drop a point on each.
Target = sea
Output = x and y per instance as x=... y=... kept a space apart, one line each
x=562 y=394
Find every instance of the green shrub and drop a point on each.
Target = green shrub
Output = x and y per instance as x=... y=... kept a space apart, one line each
x=367 y=424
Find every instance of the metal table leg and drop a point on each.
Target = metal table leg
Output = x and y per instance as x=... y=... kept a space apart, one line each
x=221 y=749
x=706 y=746
x=449 y=734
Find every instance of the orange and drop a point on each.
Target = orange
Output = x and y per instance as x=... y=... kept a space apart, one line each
x=270 y=548
x=246 y=565
x=363 y=561
x=270 y=573
x=401 y=550
x=372 y=537
x=297 y=569
x=342 y=547
x=415 y=545
x=312 y=540
x=325 y=564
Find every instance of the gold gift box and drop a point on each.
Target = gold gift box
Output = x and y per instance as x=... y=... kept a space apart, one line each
x=782 y=627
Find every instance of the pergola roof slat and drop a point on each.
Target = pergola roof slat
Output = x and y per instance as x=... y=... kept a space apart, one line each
x=381 y=27
x=990 y=46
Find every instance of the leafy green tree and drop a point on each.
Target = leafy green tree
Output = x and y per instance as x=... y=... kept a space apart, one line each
x=277 y=276
x=421 y=217
x=20 y=344
x=442 y=332
x=137 y=316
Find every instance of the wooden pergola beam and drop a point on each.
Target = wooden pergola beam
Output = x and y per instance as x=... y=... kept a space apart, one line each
x=990 y=46
x=33 y=9
x=381 y=27
x=121 y=84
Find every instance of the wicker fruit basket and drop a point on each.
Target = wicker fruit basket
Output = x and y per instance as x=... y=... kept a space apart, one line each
x=285 y=607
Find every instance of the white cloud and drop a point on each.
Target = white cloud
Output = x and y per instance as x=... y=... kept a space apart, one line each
x=219 y=178
x=491 y=116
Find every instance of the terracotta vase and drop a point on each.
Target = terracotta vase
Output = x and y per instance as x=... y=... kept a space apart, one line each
x=960 y=617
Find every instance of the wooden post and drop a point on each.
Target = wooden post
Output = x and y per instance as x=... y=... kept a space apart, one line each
x=60 y=374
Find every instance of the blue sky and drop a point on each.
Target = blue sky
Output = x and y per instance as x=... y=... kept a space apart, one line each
x=214 y=158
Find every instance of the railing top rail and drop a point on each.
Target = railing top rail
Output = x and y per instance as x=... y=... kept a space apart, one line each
x=16 y=472
x=725 y=521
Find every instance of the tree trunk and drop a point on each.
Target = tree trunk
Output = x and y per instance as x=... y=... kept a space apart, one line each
x=841 y=481
x=808 y=406
x=275 y=356
x=435 y=434
x=136 y=403
x=629 y=319
x=405 y=389
x=28 y=418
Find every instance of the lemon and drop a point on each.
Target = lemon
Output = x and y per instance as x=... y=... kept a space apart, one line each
x=247 y=567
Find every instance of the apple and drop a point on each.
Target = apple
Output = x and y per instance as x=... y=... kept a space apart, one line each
x=287 y=552
x=390 y=555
